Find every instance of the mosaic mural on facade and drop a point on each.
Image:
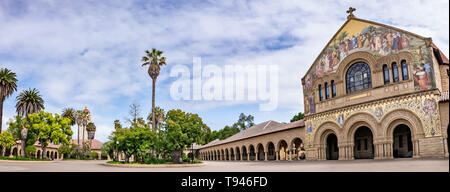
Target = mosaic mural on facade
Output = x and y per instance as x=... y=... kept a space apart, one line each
x=379 y=41
x=425 y=107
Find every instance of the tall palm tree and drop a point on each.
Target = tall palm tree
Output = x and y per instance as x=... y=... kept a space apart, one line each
x=160 y=117
x=69 y=113
x=8 y=85
x=28 y=102
x=82 y=119
x=155 y=61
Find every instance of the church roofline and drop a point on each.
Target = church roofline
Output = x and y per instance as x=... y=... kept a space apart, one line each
x=367 y=21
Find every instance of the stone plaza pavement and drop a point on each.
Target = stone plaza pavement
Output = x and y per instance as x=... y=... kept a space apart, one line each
x=396 y=165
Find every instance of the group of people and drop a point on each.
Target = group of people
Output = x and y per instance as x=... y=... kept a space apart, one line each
x=380 y=40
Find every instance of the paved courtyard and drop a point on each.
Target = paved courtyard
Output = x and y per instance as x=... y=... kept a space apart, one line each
x=397 y=165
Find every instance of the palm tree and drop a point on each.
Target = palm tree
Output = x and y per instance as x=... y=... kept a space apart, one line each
x=69 y=113
x=8 y=85
x=82 y=119
x=28 y=102
x=155 y=61
x=160 y=117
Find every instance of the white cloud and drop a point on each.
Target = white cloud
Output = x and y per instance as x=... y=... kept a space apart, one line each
x=88 y=53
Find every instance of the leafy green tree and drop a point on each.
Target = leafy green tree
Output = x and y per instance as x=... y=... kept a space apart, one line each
x=66 y=150
x=28 y=102
x=117 y=124
x=297 y=117
x=70 y=113
x=7 y=140
x=30 y=151
x=108 y=149
x=50 y=129
x=160 y=117
x=20 y=131
x=244 y=121
x=155 y=61
x=182 y=130
x=8 y=84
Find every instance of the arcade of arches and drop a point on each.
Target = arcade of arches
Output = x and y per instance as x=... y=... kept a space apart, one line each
x=362 y=100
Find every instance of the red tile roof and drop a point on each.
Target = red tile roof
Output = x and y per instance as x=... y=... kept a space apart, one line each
x=257 y=130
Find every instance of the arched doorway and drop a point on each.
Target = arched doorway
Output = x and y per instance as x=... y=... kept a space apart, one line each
x=1 y=151
x=14 y=153
x=48 y=154
x=363 y=139
x=38 y=154
x=232 y=154
x=332 y=147
x=244 y=153
x=227 y=157
x=56 y=155
x=252 y=153
x=222 y=155
x=260 y=152
x=238 y=154
x=271 y=152
x=402 y=145
x=299 y=151
x=282 y=146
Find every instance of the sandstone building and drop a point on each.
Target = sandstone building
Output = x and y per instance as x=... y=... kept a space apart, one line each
x=374 y=91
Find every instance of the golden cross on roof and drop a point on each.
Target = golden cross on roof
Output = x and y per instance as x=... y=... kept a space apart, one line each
x=350 y=12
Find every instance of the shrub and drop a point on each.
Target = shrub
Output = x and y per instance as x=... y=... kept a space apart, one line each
x=30 y=150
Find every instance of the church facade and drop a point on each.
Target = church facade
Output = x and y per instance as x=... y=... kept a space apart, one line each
x=374 y=92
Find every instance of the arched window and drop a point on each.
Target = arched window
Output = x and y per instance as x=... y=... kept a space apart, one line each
x=386 y=74
x=333 y=89
x=405 y=70
x=320 y=93
x=327 y=95
x=358 y=77
x=394 y=72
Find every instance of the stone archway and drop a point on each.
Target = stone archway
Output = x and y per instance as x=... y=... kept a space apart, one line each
x=227 y=157
x=332 y=149
x=244 y=153
x=238 y=154
x=298 y=149
x=260 y=152
x=282 y=150
x=232 y=154
x=14 y=152
x=363 y=143
x=38 y=154
x=222 y=155
x=402 y=145
x=252 y=153
x=271 y=152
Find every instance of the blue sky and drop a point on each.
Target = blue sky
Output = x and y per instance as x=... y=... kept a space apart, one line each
x=87 y=53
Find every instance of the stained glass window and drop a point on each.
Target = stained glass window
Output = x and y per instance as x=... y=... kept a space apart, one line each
x=395 y=72
x=405 y=70
x=386 y=74
x=333 y=89
x=358 y=77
